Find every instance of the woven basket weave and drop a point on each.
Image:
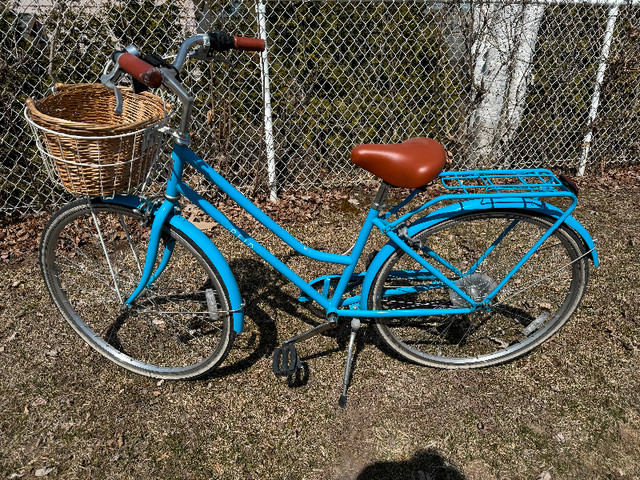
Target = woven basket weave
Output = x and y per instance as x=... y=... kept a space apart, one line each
x=93 y=150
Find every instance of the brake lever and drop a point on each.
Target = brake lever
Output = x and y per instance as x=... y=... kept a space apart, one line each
x=110 y=80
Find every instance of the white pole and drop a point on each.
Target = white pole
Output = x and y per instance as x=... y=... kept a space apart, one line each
x=266 y=95
x=595 y=100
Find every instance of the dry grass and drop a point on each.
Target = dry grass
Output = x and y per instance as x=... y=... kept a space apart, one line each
x=570 y=409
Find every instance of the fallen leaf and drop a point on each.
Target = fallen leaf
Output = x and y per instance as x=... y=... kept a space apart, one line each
x=44 y=471
x=38 y=402
x=485 y=427
x=544 y=476
x=559 y=437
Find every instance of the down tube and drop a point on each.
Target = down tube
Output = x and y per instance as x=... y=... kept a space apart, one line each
x=253 y=244
x=213 y=176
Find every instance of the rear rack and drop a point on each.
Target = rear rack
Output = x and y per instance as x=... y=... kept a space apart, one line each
x=522 y=186
x=502 y=181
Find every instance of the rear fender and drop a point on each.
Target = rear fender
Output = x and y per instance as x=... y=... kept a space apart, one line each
x=453 y=210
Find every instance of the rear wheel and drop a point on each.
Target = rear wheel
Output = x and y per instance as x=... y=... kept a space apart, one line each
x=482 y=247
x=92 y=255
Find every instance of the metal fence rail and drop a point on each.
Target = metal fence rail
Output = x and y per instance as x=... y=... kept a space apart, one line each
x=501 y=84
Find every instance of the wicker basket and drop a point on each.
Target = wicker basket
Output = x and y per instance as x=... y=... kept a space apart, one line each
x=90 y=149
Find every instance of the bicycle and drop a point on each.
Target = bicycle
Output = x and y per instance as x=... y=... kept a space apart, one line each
x=477 y=276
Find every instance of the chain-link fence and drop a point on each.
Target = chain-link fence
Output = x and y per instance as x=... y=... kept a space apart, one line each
x=500 y=84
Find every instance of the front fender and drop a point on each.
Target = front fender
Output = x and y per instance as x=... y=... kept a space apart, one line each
x=208 y=248
x=453 y=210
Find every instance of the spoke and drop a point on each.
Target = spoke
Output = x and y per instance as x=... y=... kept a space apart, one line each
x=133 y=250
x=180 y=327
x=179 y=312
x=96 y=275
x=542 y=279
x=79 y=251
x=76 y=248
x=167 y=314
x=106 y=254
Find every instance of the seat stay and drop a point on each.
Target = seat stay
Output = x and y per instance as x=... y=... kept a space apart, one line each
x=428 y=251
x=491 y=247
x=399 y=242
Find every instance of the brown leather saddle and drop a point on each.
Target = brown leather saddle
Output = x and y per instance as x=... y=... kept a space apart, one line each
x=410 y=164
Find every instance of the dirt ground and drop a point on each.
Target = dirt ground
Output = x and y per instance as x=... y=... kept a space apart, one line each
x=569 y=410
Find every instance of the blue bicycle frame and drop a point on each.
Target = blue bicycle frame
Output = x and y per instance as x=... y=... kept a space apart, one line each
x=484 y=196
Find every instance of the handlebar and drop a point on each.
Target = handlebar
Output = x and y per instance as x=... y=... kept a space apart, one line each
x=217 y=41
x=140 y=70
x=159 y=72
x=248 y=44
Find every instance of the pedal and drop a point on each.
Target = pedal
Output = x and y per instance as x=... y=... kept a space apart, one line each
x=286 y=361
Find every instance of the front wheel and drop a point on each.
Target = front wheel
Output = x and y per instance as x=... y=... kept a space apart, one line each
x=481 y=248
x=92 y=254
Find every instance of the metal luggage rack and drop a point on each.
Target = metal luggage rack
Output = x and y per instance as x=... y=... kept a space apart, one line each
x=503 y=181
x=491 y=186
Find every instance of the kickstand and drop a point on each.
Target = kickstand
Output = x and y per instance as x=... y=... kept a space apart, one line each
x=355 y=326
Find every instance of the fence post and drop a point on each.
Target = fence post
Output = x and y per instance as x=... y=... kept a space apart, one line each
x=595 y=99
x=266 y=95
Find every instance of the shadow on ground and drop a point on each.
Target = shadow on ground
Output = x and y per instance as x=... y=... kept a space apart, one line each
x=424 y=465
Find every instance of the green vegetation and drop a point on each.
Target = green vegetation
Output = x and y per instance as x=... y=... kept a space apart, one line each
x=342 y=73
x=616 y=139
x=22 y=66
x=358 y=72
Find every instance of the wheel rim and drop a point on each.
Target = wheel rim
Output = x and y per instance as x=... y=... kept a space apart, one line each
x=176 y=329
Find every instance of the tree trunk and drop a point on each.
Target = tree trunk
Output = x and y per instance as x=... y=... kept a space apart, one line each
x=503 y=49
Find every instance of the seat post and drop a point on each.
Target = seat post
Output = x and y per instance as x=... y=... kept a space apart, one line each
x=378 y=201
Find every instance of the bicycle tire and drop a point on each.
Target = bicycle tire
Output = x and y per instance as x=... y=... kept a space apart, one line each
x=179 y=329
x=531 y=308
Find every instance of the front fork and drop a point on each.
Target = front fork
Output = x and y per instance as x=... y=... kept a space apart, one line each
x=160 y=217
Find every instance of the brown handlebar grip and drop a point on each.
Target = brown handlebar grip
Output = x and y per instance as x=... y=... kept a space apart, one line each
x=249 y=44
x=140 y=70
